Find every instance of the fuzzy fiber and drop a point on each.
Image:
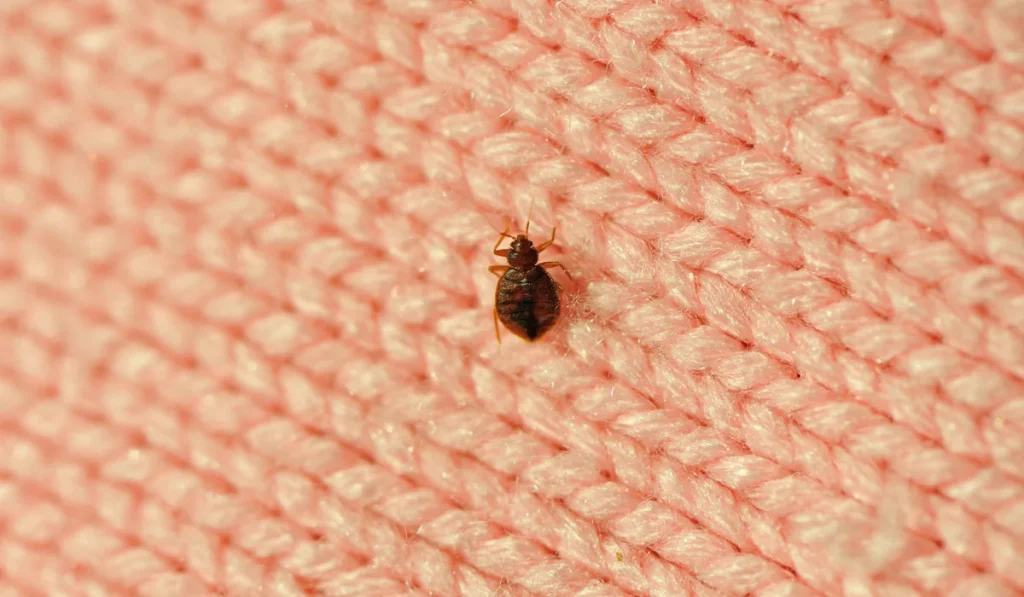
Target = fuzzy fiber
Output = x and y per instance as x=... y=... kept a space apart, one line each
x=246 y=344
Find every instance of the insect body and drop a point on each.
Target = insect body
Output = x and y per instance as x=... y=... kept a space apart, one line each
x=527 y=298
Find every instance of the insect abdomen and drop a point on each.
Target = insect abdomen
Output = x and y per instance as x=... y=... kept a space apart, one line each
x=527 y=302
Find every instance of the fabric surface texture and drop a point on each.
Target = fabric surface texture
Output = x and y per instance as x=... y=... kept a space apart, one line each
x=246 y=334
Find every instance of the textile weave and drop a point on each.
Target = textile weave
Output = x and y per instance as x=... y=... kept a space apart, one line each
x=246 y=336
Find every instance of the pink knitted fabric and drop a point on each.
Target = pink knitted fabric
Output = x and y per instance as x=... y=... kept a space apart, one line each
x=246 y=338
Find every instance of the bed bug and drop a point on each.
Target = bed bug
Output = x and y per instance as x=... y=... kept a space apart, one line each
x=526 y=300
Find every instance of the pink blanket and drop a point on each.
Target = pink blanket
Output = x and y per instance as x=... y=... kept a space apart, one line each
x=246 y=334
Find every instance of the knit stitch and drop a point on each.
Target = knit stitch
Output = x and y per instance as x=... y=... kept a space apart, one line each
x=246 y=342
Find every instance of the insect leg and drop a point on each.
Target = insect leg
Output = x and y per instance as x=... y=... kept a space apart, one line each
x=551 y=264
x=498 y=270
x=497 y=330
x=547 y=244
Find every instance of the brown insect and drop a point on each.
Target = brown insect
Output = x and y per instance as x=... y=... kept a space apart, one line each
x=527 y=299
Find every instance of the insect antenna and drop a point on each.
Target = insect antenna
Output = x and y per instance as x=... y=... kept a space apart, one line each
x=529 y=214
x=503 y=233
